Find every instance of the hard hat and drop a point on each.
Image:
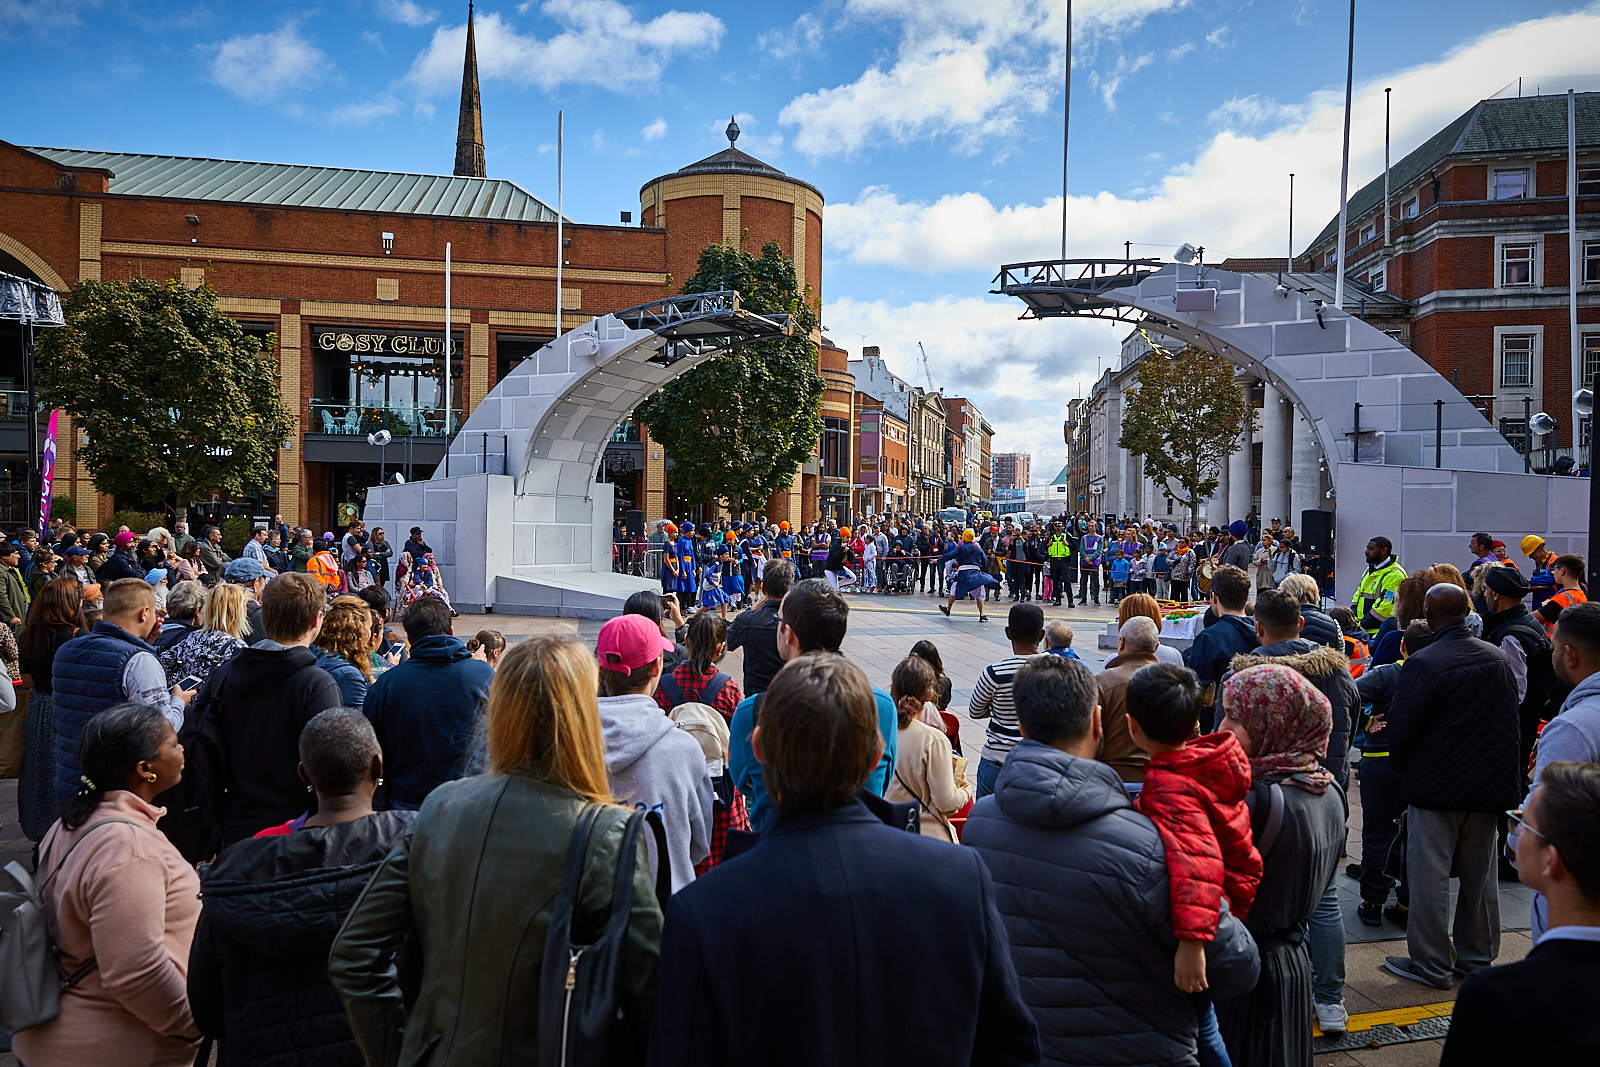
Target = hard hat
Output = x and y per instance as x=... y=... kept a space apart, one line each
x=1531 y=544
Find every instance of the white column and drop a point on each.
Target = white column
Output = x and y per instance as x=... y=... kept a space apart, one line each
x=1306 y=490
x=1216 y=511
x=1276 y=412
x=1241 y=474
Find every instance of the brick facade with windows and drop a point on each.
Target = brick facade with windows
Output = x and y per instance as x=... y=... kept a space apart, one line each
x=1478 y=250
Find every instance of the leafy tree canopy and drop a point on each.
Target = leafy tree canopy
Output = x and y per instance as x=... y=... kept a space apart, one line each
x=177 y=400
x=739 y=425
x=1185 y=420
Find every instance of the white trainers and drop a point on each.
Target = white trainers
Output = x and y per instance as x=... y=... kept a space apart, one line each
x=1332 y=1017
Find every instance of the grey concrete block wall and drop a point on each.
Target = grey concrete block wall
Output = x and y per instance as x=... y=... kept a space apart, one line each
x=1431 y=514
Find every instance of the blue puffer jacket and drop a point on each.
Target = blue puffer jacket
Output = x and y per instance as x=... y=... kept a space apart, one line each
x=425 y=713
x=353 y=684
x=1081 y=882
x=87 y=676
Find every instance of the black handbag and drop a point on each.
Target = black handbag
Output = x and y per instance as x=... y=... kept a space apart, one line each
x=583 y=1019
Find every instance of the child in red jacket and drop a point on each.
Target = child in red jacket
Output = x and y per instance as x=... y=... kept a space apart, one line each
x=1194 y=790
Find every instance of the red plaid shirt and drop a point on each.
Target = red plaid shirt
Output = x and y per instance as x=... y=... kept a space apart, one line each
x=725 y=817
x=694 y=684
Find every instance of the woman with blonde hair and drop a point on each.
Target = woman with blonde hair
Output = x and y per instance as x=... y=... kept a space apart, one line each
x=1147 y=605
x=476 y=880
x=344 y=648
x=220 y=635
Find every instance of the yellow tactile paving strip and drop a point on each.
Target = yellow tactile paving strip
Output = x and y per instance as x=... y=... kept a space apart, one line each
x=1394 y=1017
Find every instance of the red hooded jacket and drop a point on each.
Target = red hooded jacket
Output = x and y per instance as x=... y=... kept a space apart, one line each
x=1195 y=797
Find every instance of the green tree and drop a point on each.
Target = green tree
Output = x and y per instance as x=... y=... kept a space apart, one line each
x=739 y=425
x=176 y=399
x=1185 y=420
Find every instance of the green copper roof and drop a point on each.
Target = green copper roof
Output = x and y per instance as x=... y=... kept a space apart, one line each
x=295 y=185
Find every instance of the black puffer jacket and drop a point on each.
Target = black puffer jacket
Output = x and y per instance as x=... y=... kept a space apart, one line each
x=1329 y=671
x=1320 y=628
x=1453 y=726
x=258 y=969
x=1081 y=882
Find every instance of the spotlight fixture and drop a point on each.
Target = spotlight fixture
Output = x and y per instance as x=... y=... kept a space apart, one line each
x=193 y=220
x=1185 y=253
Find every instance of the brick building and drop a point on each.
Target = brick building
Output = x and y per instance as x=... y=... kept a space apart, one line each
x=346 y=268
x=1011 y=470
x=1476 y=250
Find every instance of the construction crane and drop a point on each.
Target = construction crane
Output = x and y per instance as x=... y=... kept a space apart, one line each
x=927 y=373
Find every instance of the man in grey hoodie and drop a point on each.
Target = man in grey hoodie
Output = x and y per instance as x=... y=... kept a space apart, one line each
x=652 y=765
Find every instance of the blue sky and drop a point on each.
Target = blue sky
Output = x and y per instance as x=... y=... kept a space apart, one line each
x=933 y=128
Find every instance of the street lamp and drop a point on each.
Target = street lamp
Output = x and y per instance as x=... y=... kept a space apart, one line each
x=1583 y=404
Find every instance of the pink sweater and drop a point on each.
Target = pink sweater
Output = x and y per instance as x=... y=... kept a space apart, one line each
x=127 y=898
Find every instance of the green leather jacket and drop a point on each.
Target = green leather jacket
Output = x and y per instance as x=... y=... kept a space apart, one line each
x=476 y=878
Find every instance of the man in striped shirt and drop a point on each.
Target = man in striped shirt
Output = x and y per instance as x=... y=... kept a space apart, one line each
x=991 y=697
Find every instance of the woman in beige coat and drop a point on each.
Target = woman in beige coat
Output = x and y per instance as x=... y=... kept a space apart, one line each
x=121 y=905
x=924 y=768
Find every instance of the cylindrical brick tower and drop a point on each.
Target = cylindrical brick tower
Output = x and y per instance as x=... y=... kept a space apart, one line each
x=735 y=199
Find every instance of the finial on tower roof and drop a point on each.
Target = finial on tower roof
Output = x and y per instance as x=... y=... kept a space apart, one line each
x=732 y=132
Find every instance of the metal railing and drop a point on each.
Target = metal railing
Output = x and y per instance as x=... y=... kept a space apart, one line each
x=400 y=418
x=13 y=404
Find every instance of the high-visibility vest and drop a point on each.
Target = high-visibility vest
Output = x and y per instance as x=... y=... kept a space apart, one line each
x=1059 y=547
x=324 y=569
x=1360 y=655
x=1564 y=598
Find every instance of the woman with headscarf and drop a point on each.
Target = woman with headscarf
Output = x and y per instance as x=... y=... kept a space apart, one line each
x=1297 y=815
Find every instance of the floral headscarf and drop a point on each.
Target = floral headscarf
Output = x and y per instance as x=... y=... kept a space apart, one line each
x=1287 y=720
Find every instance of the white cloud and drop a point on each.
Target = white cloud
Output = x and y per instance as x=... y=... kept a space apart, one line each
x=1111 y=84
x=1020 y=374
x=601 y=43
x=1175 y=54
x=262 y=67
x=365 y=111
x=653 y=132
x=961 y=70
x=43 y=17
x=1218 y=38
x=406 y=12
x=1247 y=112
x=805 y=35
x=1232 y=195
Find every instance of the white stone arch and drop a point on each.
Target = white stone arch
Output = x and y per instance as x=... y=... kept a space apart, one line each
x=514 y=512
x=1323 y=359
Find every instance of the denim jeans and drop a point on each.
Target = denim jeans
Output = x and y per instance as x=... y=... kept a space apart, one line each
x=1208 y=1037
x=988 y=771
x=1325 y=939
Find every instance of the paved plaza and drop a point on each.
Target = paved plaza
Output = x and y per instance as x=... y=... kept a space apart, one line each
x=883 y=629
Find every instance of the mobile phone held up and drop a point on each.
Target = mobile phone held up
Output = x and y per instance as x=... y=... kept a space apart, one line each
x=190 y=683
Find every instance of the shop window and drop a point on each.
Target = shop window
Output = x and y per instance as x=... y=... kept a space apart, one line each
x=1510 y=184
x=835 y=448
x=1516 y=361
x=1516 y=265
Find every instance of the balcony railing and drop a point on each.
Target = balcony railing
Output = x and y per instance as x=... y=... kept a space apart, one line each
x=13 y=404
x=398 y=417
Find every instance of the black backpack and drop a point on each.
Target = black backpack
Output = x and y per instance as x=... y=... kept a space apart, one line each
x=584 y=1017
x=193 y=820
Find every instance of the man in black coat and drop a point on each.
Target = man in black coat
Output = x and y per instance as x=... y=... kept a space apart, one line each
x=248 y=715
x=866 y=945
x=1453 y=739
x=756 y=630
x=1541 y=1009
x=1081 y=881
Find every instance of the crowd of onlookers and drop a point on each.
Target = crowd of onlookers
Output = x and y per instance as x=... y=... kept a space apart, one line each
x=266 y=818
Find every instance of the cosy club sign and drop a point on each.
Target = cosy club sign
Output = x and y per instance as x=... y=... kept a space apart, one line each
x=382 y=342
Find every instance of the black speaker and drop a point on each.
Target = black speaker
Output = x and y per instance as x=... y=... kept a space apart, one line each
x=1316 y=532
x=634 y=521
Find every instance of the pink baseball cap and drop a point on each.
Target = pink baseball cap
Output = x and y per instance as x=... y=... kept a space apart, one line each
x=628 y=642
x=124 y=538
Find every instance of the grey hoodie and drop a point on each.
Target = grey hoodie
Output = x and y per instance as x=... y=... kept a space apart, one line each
x=654 y=766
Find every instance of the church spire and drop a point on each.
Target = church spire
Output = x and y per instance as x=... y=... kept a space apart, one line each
x=469 y=134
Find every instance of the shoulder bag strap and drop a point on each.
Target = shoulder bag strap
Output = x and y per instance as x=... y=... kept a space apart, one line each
x=669 y=685
x=663 y=865
x=1274 y=824
x=75 y=843
x=88 y=965
x=925 y=804
x=577 y=848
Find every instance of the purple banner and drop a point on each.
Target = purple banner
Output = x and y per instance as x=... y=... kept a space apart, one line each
x=47 y=474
